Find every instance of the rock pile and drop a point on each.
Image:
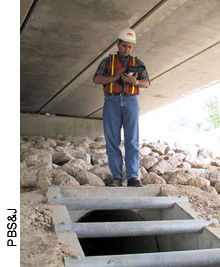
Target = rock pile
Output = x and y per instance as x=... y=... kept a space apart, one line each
x=75 y=161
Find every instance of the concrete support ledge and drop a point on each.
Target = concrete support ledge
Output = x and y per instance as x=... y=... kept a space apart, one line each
x=70 y=239
x=60 y=215
x=94 y=191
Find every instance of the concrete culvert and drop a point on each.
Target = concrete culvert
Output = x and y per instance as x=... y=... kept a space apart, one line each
x=116 y=245
x=141 y=228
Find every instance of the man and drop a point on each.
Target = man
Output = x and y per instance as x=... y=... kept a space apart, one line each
x=121 y=108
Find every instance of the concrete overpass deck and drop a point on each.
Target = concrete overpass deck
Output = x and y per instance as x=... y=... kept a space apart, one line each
x=62 y=43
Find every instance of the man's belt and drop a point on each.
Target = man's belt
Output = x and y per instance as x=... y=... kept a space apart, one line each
x=119 y=94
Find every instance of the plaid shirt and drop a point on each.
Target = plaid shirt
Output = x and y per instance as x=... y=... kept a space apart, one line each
x=103 y=67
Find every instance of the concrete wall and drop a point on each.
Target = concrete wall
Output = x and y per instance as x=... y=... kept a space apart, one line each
x=209 y=238
x=50 y=126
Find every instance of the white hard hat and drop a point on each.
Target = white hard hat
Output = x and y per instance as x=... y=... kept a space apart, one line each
x=127 y=35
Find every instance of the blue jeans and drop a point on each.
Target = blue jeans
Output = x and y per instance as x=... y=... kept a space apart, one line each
x=121 y=111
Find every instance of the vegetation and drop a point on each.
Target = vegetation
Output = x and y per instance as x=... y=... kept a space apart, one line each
x=211 y=120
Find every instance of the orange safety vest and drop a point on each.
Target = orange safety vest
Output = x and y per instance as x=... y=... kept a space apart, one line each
x=115 y=87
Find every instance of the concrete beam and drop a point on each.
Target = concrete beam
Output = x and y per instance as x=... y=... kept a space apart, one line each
x=25 y=6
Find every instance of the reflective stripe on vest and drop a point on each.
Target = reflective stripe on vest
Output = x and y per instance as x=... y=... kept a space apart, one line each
x=112 y=72
x=133 y=85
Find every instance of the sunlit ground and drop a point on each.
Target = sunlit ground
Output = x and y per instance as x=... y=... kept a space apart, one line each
x=176 y=122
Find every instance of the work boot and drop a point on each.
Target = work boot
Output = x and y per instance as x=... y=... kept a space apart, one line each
x=115 y=182
x=134 y=182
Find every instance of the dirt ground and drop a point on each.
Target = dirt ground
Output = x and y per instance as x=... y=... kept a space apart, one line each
x=207 y=205
x=39 y=245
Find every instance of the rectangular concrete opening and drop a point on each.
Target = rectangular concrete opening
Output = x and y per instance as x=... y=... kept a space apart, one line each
x=165 y=226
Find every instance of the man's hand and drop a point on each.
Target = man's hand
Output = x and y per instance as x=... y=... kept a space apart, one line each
x=119 y=73
x=101 y=79
x=129 y=78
